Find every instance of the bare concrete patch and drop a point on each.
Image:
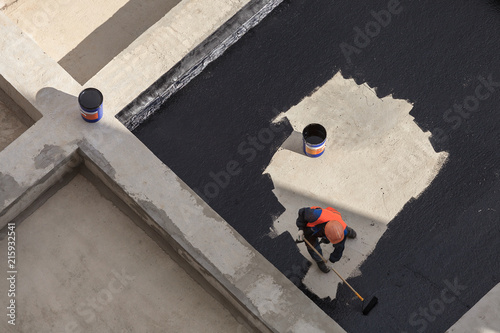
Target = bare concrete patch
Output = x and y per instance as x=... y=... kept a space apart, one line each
x=376 y=159
x=84 y=266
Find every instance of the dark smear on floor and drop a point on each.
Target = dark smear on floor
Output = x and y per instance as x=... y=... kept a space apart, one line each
x=439 y=255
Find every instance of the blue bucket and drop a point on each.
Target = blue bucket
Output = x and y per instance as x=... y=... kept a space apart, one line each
x=314 y=140
x=90 y=101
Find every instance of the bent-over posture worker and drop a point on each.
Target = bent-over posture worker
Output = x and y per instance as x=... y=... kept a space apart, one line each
x=327 y=224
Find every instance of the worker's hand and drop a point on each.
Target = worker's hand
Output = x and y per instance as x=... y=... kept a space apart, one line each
x=300 y=235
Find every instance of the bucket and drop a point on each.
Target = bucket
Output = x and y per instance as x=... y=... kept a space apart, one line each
x=90 y=101
x=314 y=139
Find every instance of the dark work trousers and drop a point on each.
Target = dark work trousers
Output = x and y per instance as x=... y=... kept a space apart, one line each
x=314 y=240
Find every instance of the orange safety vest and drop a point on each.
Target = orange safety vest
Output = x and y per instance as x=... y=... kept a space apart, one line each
x=327 y=215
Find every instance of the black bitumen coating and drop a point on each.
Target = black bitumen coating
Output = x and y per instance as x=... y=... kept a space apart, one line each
x=439 y=255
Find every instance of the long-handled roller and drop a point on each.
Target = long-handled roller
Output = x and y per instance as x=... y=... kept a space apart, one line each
x=366 y=308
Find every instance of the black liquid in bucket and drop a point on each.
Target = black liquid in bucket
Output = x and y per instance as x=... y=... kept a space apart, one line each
x=314 y=134
x=315 y=140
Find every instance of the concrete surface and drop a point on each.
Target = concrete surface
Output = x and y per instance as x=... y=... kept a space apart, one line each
x=77 y=34
x=84 y=266
x=58 y=26
x=376 y=159
x=60 y=141
x=11 y=126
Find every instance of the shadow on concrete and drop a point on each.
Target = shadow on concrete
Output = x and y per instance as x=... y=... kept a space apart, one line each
x=49 y=98
x=113 y=36
x=294 y=143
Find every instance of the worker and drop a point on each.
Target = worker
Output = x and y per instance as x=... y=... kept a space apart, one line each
x=326 y=224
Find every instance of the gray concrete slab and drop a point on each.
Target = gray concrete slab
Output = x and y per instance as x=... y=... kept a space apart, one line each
x=84 y=266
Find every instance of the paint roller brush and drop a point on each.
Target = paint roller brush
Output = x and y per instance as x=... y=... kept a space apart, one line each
x=366 y=308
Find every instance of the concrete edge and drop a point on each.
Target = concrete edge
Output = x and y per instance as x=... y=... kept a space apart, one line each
x=24 y=200
x=294 y=310
x=32 y=114
x=172 y=241
x=149 y=101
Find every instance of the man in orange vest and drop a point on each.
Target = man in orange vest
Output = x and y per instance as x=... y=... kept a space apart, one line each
x=327 y=224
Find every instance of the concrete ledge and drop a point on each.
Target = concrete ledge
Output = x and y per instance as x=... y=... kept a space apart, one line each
x=177 y=247
x=195 y=62
x=31 y=113
x=22 y=198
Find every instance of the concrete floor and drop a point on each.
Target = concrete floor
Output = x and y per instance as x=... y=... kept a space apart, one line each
x=86 y=267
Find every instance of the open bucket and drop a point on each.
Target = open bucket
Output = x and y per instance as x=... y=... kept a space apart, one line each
x=314 y=140
x=90 y=101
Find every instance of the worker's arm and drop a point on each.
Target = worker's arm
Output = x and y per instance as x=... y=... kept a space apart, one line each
x=301 y=221
x=337 y=253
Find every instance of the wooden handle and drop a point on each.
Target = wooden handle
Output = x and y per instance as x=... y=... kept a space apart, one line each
x=333 y=269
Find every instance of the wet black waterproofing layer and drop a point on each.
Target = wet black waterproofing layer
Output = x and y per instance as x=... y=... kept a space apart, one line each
x=439 y=255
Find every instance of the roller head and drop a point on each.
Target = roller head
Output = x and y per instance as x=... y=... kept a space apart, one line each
x=370 y=305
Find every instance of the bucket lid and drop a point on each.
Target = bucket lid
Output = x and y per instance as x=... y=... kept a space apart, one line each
x=90 y=98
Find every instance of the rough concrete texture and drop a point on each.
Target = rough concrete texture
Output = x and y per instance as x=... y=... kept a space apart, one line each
x=483 y=317
x=10 y=126
x=58 y=26
x=171 y=205
x=84 y=266
x=6 y=3
x=376 y=159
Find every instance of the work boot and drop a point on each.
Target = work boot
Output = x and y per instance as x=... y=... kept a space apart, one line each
x=351 y=233
x=324 y=268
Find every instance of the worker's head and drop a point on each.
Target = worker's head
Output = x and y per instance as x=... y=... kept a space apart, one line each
x=334 y=231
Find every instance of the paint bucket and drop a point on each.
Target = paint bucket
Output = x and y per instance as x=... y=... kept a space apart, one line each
x=314 y=139
x=90 y=101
